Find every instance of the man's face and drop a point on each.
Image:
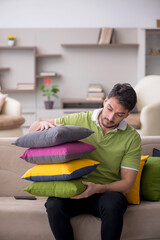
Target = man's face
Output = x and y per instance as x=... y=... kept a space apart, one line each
x=113 y=113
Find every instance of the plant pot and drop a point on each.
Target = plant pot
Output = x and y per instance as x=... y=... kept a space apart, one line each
x=11 y=43
x=48 y=104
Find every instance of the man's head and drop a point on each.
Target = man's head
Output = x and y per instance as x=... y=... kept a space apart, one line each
x=125 y=95
x=117 y=106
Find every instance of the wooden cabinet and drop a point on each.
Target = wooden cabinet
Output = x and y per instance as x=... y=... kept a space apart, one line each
x=152 y=51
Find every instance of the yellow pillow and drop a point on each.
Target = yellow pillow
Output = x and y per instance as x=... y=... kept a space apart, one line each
x=61 y=171
x=133 y=197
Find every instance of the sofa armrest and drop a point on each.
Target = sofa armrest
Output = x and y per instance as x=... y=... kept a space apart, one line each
x=12 y=107
x=149 y=118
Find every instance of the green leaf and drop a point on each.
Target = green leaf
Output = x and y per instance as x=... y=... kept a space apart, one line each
x=41 y=88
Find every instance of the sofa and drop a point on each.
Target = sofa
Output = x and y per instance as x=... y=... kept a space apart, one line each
x=11 y=119
x=148 y=105
x=27 y=219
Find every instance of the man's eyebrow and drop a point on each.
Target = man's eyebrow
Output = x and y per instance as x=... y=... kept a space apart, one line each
x=117 y=112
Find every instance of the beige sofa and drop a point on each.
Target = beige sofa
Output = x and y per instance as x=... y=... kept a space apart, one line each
x=27 y=219
x=11 y=119
x=148 y=105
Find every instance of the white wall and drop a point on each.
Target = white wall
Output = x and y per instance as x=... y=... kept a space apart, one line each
x=78 y=13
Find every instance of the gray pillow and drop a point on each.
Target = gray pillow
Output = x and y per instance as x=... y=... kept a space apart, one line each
x=53 y=136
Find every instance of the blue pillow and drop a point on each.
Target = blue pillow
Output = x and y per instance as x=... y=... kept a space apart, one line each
x=156 y=153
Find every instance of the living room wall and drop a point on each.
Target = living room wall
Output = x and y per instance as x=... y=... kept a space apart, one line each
x=78 y=13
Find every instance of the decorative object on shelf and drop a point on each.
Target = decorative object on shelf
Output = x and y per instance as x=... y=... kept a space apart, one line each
x=105 y=36
x=49 y=92
x=158 y=23
x=11 y=40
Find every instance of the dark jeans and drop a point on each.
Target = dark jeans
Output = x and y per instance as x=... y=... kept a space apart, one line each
x=109 y=206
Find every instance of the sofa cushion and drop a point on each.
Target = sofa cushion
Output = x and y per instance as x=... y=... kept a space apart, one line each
x=61 y=171
x=57 y=154
x=150 y=182
x=27 y=219
x=134 y=196
x=134 y=120
x=62 y=189
x=53 y=136
x=9 y=122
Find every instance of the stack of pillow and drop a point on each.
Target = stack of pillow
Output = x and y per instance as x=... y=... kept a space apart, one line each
x=60 y=160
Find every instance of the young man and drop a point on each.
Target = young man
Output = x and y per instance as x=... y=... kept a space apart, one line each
x=118 y=149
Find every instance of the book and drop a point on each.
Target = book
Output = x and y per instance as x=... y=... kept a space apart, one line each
x=48 y=73
x=96 y=94
x=25 y=86
x=105 y=36
x=95 y=88
x=98 y=99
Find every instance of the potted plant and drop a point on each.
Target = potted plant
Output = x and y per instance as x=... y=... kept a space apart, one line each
x=11 y=40
x=49 y=90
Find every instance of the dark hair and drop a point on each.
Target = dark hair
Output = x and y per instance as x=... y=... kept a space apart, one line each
x=125 y=94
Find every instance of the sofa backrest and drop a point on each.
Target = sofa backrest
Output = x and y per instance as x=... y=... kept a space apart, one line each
x=12 y=167
x=147 y=90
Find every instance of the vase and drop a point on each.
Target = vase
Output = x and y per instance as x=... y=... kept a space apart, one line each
x=48 y=104
x=11 y=43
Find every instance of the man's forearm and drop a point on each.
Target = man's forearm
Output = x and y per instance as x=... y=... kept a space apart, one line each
x=118 y=186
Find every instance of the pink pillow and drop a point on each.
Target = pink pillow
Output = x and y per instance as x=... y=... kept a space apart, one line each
x=57 y=154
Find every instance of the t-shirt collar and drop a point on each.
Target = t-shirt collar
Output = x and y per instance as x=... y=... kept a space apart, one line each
x=94 y=117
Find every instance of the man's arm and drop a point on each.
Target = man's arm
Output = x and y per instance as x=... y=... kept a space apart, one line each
x=125 y=185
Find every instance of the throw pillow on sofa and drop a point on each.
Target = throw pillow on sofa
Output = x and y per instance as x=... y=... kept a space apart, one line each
x=61 y=171
x=156 y=152
x=150 y=182
x=53 y=136
x=134 y=196
x=57 y=154
x=62 y=189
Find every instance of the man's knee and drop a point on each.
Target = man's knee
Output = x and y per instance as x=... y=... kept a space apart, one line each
x=113 y=201
x=53 y=203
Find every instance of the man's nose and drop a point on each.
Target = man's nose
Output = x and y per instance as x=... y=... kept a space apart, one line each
x=111 y=117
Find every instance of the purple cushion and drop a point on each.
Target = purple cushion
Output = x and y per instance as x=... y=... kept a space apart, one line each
x=57 y=154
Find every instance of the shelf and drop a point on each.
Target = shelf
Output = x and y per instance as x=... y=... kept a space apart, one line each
x=18 y=47
x=48 y=55
x=153 y=31
x=100 y=45
x=17 y=90
x=80 y=103
x=50 y=76
x=4 y=68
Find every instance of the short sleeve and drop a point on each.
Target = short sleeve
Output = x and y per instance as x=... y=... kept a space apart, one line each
x=132 y=156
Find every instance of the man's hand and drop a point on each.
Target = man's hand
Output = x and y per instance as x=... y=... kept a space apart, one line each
x=92 y=188
x=43 y=125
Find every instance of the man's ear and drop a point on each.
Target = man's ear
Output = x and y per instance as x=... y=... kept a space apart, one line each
x=128 y=114
x=105 y=100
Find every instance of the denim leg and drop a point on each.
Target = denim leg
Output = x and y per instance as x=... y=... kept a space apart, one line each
x=110 y=207
x=59 y=218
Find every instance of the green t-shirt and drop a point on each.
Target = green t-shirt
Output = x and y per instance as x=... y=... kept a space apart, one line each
x=116 y=149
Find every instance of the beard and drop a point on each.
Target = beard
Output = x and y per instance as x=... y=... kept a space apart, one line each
x=106 y=123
